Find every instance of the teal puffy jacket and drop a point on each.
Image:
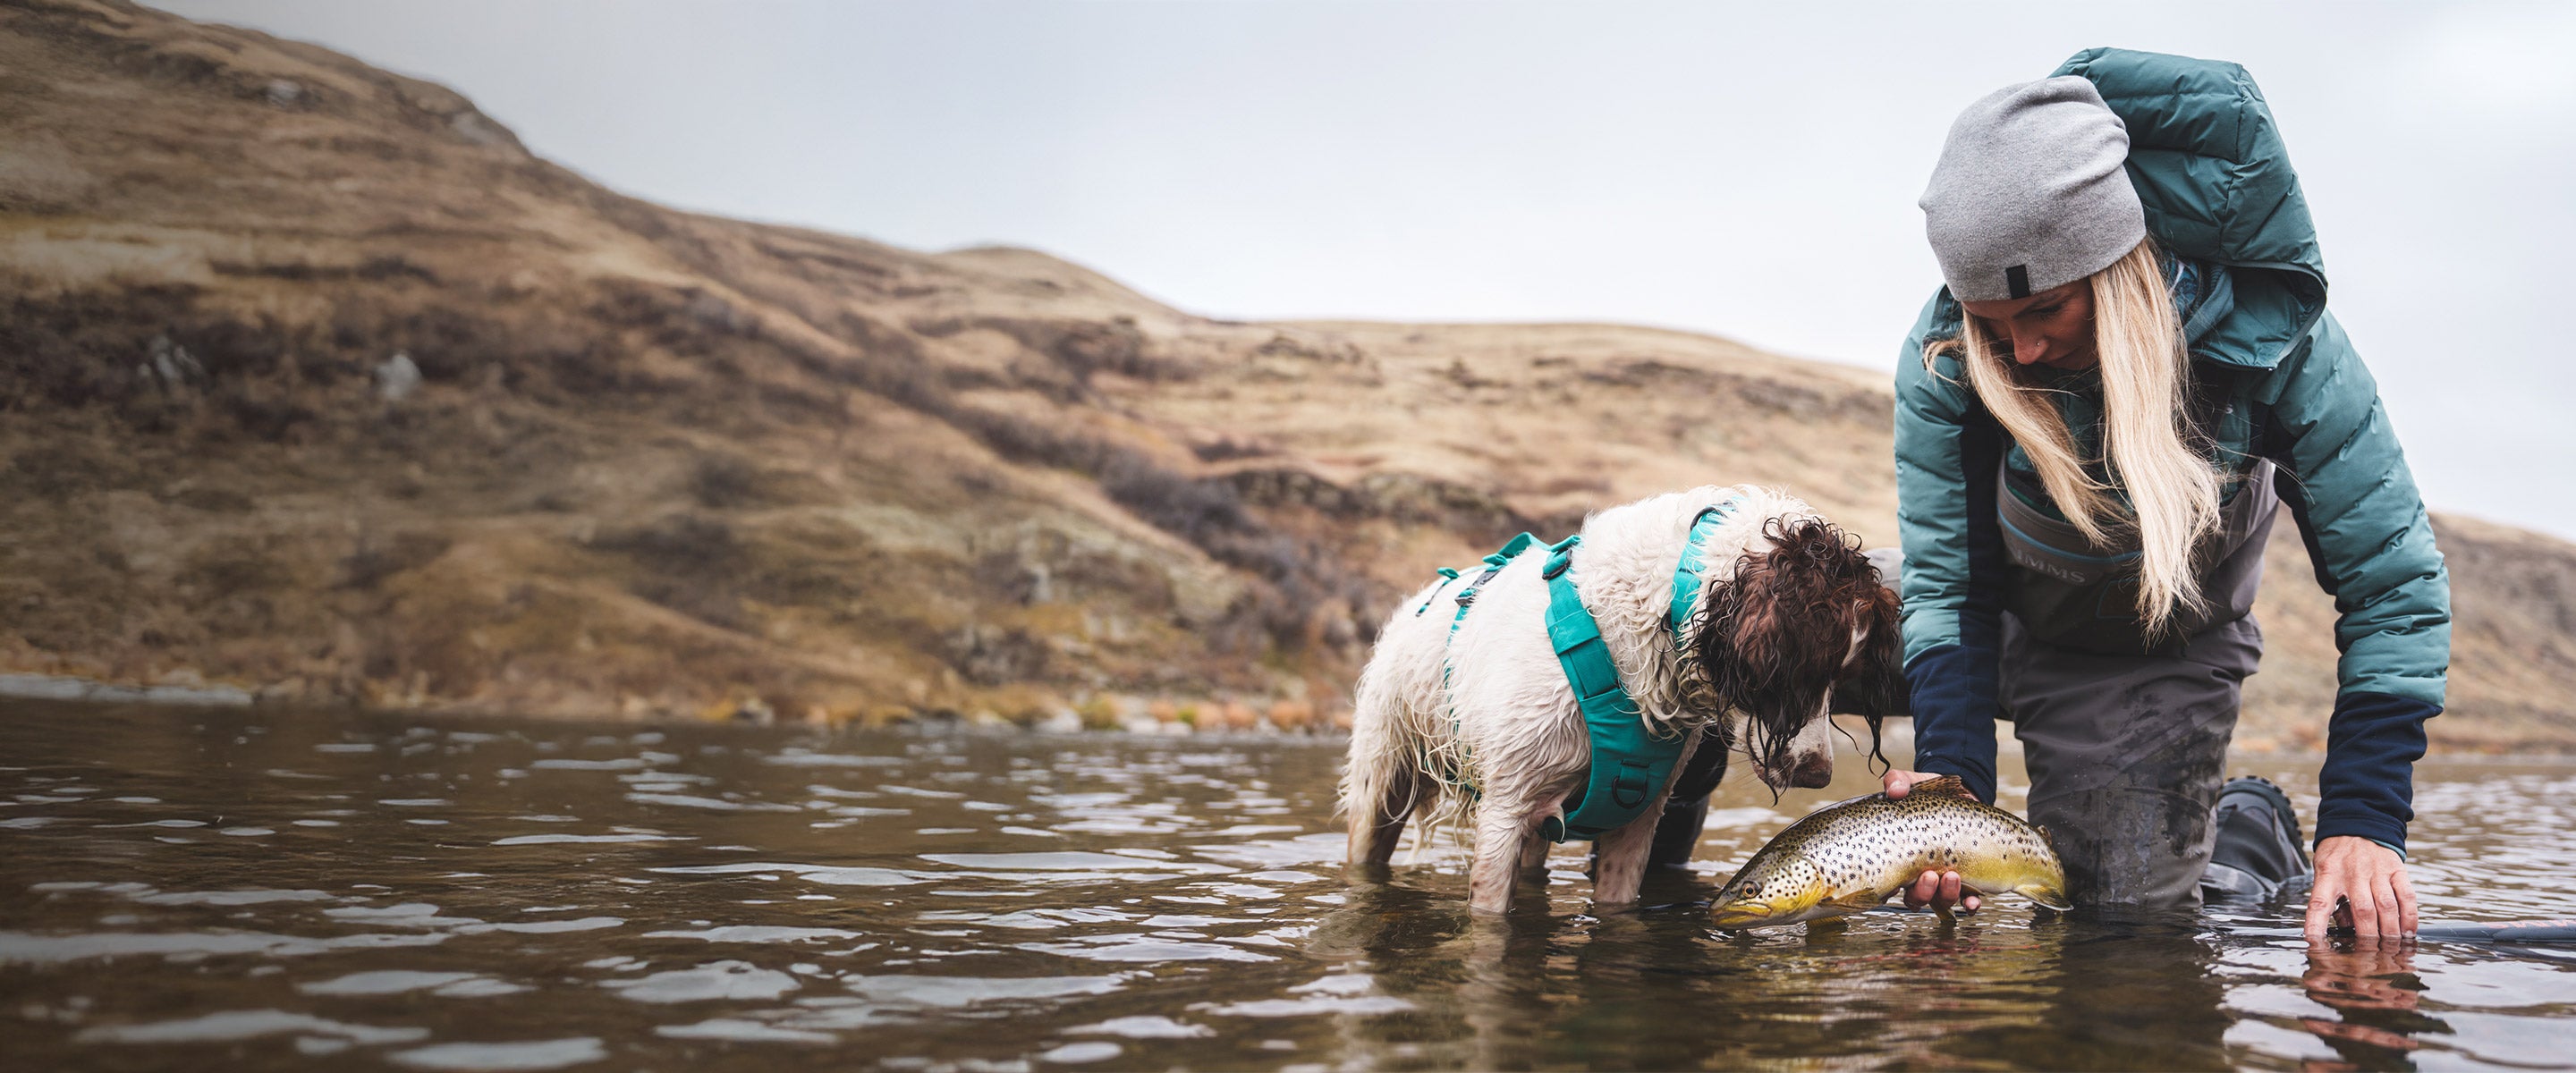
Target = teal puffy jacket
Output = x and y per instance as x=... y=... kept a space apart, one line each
x=2220 y=198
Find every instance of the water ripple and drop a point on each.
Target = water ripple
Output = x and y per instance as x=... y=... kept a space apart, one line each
x=245 y=1024
x=717 y=980
x=731 y=897
x=755 y=933
x=505 y=1057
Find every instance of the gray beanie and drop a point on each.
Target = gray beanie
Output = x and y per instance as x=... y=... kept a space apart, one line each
x=2029 y=193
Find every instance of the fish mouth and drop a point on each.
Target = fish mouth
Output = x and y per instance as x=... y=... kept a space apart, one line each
x=1745 y=915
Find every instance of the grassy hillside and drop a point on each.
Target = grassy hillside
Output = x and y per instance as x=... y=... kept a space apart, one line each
x=318 y=383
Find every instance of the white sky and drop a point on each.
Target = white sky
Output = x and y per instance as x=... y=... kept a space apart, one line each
x=1743 y=170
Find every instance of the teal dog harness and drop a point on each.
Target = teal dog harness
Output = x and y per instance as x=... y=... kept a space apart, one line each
x=1630 y=762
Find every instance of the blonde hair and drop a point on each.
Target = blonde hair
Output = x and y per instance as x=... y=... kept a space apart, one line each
x=2173 y=492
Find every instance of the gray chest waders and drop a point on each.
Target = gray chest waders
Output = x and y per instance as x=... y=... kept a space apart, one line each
x=2125 y=738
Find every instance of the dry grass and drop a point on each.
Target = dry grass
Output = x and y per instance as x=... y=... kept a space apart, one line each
x=660 y=463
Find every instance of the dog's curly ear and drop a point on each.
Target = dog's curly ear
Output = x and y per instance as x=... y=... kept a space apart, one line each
x=1778 y=629
x=1875 y=688
x=1721 y=664
x=1775 y=637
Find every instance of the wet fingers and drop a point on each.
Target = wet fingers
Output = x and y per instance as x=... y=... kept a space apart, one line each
x=2388 y=908
x=2321 y=903
x=1920 y=894
x=1940 y=890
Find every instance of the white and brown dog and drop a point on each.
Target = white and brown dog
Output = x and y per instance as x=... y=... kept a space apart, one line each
x=1479 y=725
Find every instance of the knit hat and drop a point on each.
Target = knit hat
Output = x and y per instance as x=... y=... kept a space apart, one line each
x=2029 y=193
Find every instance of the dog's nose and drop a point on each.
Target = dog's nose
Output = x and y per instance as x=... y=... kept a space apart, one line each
x=1814 y=774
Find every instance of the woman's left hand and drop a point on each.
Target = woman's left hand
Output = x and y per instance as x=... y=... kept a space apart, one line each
x=2370 y=879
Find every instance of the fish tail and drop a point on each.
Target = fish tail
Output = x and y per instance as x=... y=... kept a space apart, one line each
x=2050 y=893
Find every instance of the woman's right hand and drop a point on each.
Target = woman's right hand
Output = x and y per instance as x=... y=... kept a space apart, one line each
x=1940 y=890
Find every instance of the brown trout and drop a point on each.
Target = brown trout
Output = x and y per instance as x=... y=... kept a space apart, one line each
x=1850 y=857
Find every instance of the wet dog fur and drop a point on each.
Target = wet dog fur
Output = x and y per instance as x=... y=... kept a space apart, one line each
x=1480 y=728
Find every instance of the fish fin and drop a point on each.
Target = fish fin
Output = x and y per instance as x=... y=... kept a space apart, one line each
x=1942 y=786
x=2044 y=894
x=1859 y=901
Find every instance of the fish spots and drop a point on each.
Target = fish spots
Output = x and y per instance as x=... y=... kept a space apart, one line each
x=1875 y=846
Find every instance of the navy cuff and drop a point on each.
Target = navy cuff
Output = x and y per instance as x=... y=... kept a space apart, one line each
x=1952 y=693
x=2367 y=787
x=2360 y=824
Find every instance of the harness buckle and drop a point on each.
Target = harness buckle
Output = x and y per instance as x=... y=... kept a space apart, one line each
x=1467 y=596
x=1560 y=555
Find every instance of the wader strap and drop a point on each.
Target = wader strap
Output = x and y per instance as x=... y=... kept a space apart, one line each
x=1686 y=576
x=1629 y=765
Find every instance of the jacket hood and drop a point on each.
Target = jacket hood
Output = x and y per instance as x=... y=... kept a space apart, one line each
x=2215 y=180
x=2209 y=163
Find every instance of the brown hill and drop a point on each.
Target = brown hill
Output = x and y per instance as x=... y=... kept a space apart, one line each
x=319 y=383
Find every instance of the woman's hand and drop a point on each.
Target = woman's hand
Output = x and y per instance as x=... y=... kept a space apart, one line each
x=1940 y=890
x=2371 y=881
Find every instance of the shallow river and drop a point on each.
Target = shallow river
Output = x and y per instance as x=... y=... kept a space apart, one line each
x=187 y=888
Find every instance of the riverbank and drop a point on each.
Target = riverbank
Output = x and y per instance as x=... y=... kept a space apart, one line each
x=322 y=388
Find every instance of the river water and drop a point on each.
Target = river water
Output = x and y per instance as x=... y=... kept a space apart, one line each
x=248 y=889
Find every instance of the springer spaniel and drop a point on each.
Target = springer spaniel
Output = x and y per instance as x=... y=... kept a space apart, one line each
x=1480 y=727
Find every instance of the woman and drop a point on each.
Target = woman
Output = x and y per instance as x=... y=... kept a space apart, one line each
x=2130 y=370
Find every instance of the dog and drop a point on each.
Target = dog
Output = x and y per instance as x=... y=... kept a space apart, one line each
x=1476 y=723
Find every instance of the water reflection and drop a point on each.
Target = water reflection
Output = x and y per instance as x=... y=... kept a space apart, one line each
x=262 y=890
x=2372 y=984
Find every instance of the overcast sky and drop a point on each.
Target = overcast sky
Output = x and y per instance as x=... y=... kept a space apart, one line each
x=1747 y=171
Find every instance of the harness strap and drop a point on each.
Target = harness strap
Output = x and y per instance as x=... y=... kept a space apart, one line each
x=1494 y=564
x=1686 y=581
x=1629 y=763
